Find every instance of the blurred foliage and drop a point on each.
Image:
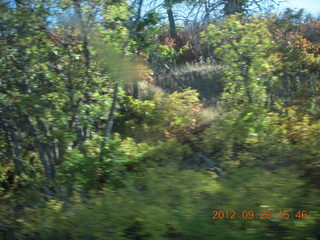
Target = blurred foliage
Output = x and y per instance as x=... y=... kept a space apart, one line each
x=166 y=203
x=246 y=48
x=167 y=115
x=92 y=147
x=167 y=53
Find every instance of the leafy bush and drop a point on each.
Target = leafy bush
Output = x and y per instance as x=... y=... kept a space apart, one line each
x=246 y=49
x=163 y=117
x=153 y=205
x=90 y=173
x=167 y=53
x=165 y=203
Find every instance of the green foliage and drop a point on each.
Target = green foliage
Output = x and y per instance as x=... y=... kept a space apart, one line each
x=89 y=173
x=153 y=205
x=167 y=53
x=263 y=191
x=144 y=31
x=165 y=203
x=300 y=129
x=246 y=48
x=179 y=108
x=67 y=173
x=167 y=153
x=163 y=117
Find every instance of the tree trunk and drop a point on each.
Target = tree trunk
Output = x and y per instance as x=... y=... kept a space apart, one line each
x=138 y=17
x=207 y=12
x=13 y=138
x=173 y=30
x=135 y=89
x=81 y=135
x=109 y=123
x=43 y=151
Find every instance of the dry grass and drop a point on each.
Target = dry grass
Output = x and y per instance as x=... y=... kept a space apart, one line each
x=205 y=77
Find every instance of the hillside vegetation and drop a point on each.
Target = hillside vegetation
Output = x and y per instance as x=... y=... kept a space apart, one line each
x=116 y=124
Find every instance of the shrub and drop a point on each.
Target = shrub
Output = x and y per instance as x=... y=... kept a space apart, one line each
x=153 y=205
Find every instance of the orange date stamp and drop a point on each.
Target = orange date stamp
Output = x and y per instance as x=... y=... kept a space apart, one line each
x=260 y=215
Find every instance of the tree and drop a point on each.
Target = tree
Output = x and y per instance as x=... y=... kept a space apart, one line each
x=56 y=90
x=246 y=49
x=235 y=6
